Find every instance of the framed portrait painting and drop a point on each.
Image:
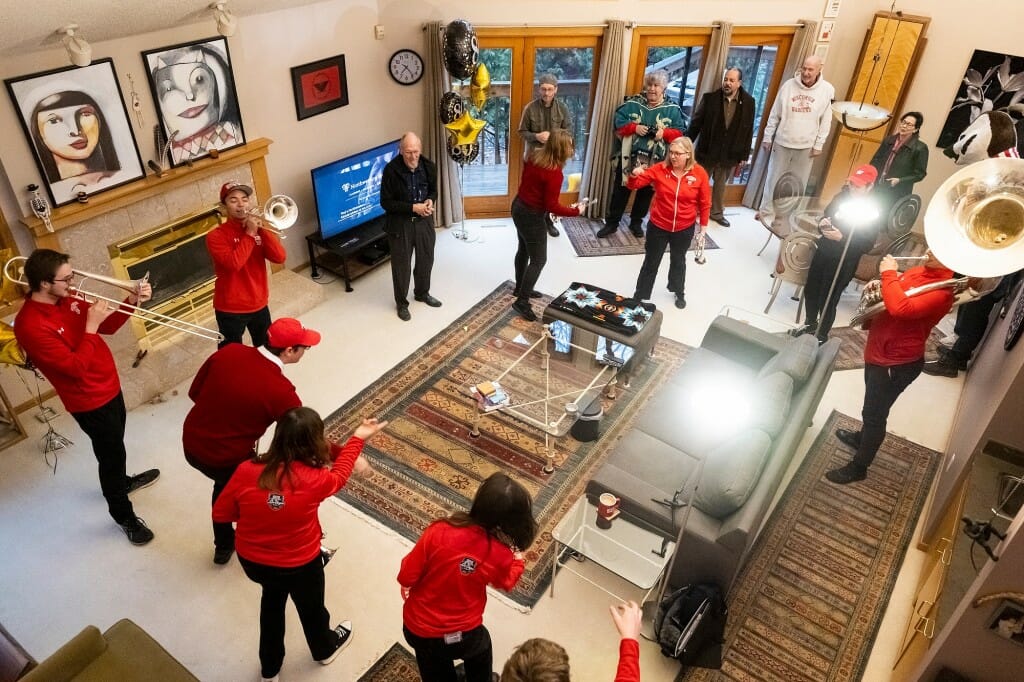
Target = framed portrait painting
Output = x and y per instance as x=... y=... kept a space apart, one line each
x=319 y=86
x=194 y=92
x=76 y=123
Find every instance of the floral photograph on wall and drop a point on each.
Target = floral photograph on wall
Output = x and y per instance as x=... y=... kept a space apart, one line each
x=992 y=82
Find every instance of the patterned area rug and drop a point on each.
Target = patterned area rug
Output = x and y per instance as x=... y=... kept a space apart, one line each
x=809 y=601
x=582 y=235
x=396 y=665
x=425 y=464
x=851 y=352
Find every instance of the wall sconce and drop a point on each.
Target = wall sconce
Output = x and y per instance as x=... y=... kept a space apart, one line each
x=226 y=20
x=79 y=51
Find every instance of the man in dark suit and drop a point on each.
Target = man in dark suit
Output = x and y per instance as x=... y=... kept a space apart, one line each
x=408 y=191
x=722 y=129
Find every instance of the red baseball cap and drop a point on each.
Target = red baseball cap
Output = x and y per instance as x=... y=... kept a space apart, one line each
x=864 y=175
x=287 y=331
x=233 y=186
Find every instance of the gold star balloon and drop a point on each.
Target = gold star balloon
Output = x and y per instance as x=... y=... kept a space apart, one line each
x=480 y=85
x=464 y=129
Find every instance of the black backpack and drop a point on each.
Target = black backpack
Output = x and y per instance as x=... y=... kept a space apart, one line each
x=690 y=625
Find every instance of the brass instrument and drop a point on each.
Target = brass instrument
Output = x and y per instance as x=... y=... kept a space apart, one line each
x=79 y=292
x=278 y=214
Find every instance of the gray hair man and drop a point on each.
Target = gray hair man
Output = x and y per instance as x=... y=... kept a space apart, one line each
x=540 y=118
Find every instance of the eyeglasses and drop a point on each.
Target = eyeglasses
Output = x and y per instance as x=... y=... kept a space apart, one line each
x=676 y=153
x=909 y=124
x=66 y=280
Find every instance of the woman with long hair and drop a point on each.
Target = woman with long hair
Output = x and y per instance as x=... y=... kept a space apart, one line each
x=274 y=498
x=539 y=188
x=682 y=201
x=444 y=578
x=72 y=138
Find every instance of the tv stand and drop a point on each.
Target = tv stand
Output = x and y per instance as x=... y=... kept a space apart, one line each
x=351 y=254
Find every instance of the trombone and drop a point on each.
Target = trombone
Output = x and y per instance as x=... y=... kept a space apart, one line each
x=278 y=214
x=80 y=293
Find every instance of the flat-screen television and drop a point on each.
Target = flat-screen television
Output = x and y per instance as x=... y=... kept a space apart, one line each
x=347 y=191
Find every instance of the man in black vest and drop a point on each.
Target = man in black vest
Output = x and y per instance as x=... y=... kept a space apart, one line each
x=722 y=129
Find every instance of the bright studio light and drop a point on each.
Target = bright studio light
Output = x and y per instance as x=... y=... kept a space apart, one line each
x=720 y=404
x=857 y=211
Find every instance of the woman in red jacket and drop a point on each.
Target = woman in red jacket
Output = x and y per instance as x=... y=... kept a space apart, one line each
x=445 y=577
x=682 y=200
x=274 y=498
x=538 y=195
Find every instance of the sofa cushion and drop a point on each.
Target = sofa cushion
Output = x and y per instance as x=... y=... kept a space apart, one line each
x=795 y=359
x=769 y=403
x=731 y=471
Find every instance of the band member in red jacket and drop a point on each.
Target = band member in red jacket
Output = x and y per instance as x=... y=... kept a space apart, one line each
x=240 y=248
x=444 y=579
x=894 y=354
x=275 y=498
x=61 y=336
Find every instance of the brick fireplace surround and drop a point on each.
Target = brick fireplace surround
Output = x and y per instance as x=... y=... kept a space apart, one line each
x=86 y=230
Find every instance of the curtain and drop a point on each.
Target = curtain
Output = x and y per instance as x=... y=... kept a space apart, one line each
x=803 y=45
x=435 y=147
x=715 y=60
x=611 y=85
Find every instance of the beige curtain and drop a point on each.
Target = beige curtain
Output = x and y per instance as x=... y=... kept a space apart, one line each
x=715 y=60
x=803 y=45
x=596 y=181
x=449 y=189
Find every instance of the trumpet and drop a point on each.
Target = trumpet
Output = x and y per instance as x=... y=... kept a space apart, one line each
x=278 y=214
x=132 y=286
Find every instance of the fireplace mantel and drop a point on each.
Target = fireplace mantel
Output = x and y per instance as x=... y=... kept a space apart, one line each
x=252 y=154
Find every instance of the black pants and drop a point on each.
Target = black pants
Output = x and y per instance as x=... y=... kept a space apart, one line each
x=105 y=428
x=619 y=198
x=436 y=659
x=415 y=239
x=882 y=385
x=819 y=279
x=654 y=250
x=223 y=533
x=531 y=227
x=305 y=585
x=232 y=325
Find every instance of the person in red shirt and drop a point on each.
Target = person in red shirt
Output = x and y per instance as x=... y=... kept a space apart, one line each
x=444 y=579
x=682 y=200
x=60 y=334
x=894 y=354
x=537 y=197
x=240 y=247
x=238 y=393
x=275 y=498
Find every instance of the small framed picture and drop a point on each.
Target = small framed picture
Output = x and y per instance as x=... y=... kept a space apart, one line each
x=1008 y=621
x=832 y=8
x=825 y=31
x=319 y=86
x=76 y=124
x=821 y=52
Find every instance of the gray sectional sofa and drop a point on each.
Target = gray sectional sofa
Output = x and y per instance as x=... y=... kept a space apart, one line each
x=741 y=403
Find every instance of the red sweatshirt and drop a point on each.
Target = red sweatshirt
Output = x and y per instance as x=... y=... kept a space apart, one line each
x=238 y=393
x=539 y=189
x=240 y=266
x=447 y=574
x=629 y=661
x=679 y=201
x=898 y=335
x=79 y=365
x=281 y=527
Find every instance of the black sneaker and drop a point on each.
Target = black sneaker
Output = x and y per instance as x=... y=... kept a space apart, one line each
x=137 y=531
x=847 y=474
x=143 y=480
x=344 y=633
x=849 y=438
x=943 y=367
x=222 y=555
x=638 y=232
x=680 y=301
x=607 y=231
x=524 y=310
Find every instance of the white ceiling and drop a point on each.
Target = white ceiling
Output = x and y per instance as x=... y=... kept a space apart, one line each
x=30 y=25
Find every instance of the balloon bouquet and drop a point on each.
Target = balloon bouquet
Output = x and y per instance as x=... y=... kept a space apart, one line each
x=462 y=60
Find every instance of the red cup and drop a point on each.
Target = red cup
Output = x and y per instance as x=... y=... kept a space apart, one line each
x=607 y=510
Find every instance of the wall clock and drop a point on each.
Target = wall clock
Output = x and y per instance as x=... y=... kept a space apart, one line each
x=406 y=67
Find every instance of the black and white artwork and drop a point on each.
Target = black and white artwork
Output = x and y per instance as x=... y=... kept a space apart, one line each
x=992 y=82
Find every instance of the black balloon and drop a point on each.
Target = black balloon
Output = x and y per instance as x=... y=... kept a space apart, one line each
x=450 y=108
x=460 y=49
x=464 y=153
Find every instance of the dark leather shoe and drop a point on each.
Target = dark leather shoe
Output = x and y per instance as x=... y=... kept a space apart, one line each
x=429 y=300
x=524 y=310
x=403 y=314
x=848 y=438
x=847 y=474
x=607 y=231
x=680 y=302
x=552 y=230
x=943 y=367
x=721 y=221
x=533 y=294
x=222 y=555
x=637 y=231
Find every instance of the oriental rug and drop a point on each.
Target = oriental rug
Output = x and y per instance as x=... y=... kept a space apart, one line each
x=426 y=465
x=851 y=351
x=396 y=665
x=809 y=601
x=582 y=234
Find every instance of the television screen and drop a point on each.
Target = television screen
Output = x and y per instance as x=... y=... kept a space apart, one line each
x=347 y=191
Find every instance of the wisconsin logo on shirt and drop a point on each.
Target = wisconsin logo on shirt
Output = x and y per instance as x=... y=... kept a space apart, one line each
x=75 y=308
x=275 y=501
x=467 y=566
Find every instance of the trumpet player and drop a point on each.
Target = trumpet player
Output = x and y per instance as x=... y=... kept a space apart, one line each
x=240 y=248
x=60 y=333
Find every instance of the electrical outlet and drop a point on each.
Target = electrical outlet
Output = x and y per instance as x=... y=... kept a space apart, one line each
x=378 y=32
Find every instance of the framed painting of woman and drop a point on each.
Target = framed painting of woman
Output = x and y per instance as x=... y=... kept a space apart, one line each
x=76 y=123
x=194 y=91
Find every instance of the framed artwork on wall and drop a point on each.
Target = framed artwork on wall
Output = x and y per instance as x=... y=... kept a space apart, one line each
x=320 y=86
x=993 y=81
x=76 y=124
x=1007 y=621
x=194 y=91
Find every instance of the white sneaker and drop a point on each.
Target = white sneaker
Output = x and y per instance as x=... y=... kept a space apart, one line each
x=275 y=678
x=344 y=632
